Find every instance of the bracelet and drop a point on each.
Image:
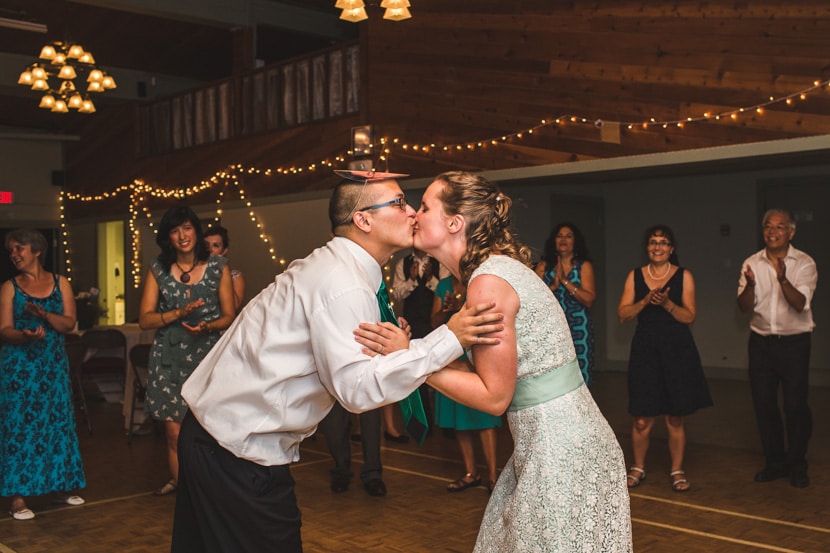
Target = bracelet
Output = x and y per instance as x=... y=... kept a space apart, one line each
x=672 y=309
x=573 y=290
x=162 y=319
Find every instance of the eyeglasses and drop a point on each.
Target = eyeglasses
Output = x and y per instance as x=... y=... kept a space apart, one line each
x=659 y=243
x=399 y=202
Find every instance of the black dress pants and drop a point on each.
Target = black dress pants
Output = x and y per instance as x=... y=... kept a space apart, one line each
x=227 y=504
x=781 y=362
x=336 y=427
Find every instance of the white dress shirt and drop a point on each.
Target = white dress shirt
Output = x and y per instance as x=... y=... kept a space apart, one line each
x=771 y=314
x=291 y=354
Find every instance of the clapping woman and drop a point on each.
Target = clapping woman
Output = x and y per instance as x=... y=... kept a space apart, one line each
x=665 y=376
x=39 y=450
x=188 y=298
x=569 y=273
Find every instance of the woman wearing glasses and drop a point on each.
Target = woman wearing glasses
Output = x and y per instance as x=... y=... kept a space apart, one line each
x=665 y=376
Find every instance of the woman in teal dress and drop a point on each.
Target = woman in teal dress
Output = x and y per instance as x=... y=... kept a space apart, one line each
x=39 y=451
x=449 y=296
x=188 y=298
x=569 y=273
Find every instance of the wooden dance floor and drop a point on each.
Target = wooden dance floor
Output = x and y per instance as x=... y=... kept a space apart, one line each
x=725 y=511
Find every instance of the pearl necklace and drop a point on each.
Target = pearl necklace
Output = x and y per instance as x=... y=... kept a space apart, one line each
x=648 y=269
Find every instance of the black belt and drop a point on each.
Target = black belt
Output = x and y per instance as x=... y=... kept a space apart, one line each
x=779 y=336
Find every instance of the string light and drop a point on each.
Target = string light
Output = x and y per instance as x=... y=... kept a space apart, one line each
x=139 y=191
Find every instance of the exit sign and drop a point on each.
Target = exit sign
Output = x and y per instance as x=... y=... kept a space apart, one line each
x=5 y=197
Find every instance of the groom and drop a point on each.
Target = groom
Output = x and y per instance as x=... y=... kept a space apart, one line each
x=281 y=366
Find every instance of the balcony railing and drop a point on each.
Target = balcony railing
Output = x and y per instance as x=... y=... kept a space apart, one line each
x=308 y=89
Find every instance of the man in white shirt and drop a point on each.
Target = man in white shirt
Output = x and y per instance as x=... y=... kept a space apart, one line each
x=777 y=285
x=287 y=358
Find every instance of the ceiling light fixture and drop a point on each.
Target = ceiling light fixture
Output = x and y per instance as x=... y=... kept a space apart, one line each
x=355 y=10
x=61 y=71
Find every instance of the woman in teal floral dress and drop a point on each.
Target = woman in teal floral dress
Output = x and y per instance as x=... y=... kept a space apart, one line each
x=188 y=298
x=39 y=451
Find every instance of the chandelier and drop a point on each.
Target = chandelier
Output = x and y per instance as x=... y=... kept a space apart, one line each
x=66 y=73
x=355 y=10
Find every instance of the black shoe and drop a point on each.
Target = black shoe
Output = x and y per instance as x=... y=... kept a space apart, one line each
x=799 y=478
x=375 y=487
x=402 y=439
x=339 y=484
x=771 y=473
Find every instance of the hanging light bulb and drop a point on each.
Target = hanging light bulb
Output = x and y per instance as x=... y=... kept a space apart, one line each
x=354 y=15
x=47 y=52
x=67 y=72
x=75 y=101
x=60 y=107
x=47 y=102
x=26 y=78
x=108 y=83
x=75 y=51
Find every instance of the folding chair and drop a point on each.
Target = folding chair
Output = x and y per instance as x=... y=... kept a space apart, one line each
x=140 y=361
x=75 y=353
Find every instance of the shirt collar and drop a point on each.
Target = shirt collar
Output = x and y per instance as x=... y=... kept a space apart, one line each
x=369 y=264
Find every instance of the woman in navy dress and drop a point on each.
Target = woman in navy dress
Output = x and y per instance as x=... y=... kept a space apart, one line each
x=569 y=273
x=39 y=451
x=665 y=376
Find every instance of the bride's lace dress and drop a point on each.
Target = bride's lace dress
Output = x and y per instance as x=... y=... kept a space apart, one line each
x=564 y=487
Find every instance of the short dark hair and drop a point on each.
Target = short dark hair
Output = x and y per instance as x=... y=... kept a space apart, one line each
x=29 y=237
x=665 y=231
x=220 y=231
x=345 y=199
x=174 y=217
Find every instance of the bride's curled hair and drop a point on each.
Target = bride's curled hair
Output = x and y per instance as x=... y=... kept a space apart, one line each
x=486 y=211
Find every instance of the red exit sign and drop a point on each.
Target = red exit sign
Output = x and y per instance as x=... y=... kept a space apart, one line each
x=5 y=197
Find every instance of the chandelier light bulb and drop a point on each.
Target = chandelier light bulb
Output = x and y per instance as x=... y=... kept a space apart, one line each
x=87 y=106
x=95 y=86
x=75 y=101
x=95 y=76
x=40 y=84
x=59 y=59
x=38 y=73
x=25 y=78
x=354 y=15
x=75 y=51
x=108 y=83
x=67 y=72
x=47 y=52
x=60 y=107
x=397 y=14
x=47 y=102
x=349 y=4
x=87 y=58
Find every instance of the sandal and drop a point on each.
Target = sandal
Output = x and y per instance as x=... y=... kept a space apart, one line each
x=679 y=484
x=466 y=481
x=634 y=480
x=168 y=488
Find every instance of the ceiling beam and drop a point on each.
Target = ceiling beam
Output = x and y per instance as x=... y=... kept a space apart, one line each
x=235 y=13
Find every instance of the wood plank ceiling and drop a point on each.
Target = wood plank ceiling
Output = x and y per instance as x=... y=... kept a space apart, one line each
x=468 y=73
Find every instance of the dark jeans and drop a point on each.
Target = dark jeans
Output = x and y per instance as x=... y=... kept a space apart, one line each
x=336 y=427
x=227 y=504
x=781 y=362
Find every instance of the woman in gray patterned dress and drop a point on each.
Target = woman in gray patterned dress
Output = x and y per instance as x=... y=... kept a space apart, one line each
x=188 y=298
x=564 y=487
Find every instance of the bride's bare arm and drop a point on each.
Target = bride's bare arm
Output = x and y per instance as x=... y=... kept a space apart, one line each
x=490 y=388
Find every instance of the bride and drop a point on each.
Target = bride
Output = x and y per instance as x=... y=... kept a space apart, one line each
x=564 y=488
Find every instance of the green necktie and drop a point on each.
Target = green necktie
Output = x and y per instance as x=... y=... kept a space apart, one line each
x=414 y=417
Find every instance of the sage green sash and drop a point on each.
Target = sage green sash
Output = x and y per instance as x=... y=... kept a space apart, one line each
x=547 y=386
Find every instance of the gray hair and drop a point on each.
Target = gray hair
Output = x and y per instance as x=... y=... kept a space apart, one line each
x=779 y=211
